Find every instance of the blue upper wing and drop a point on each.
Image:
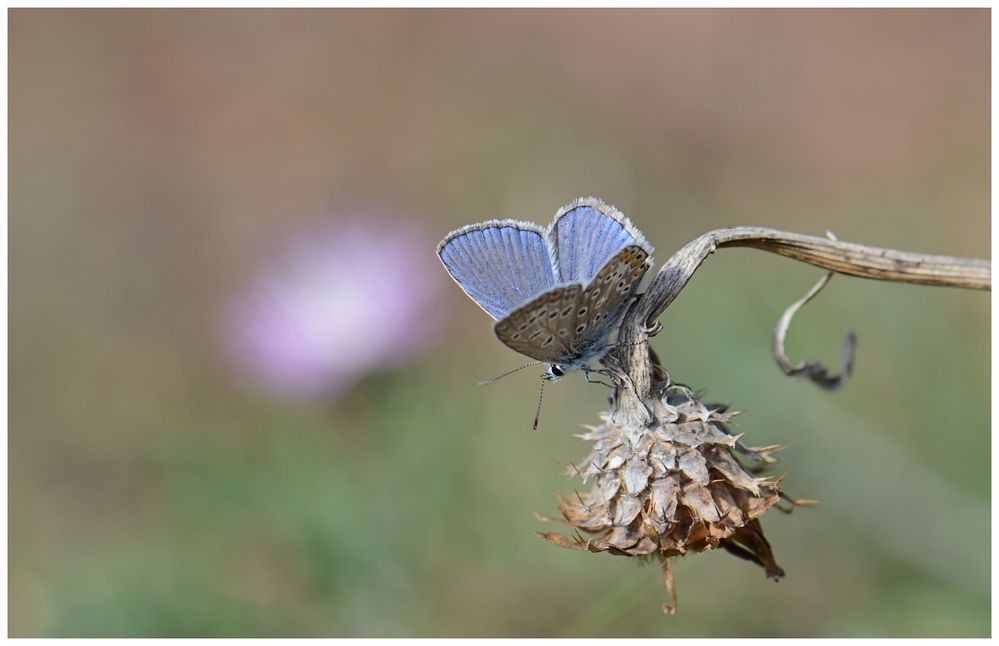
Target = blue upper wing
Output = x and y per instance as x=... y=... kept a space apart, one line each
x=585 y=235
x=500 y=264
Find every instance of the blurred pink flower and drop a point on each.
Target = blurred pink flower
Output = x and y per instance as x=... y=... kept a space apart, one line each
x=339 y=300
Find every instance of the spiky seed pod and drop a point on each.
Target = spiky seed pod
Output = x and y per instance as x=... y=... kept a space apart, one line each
x=670 y=487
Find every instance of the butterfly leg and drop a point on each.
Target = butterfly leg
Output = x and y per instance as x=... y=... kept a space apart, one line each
x=586 y=374
x=623 y=376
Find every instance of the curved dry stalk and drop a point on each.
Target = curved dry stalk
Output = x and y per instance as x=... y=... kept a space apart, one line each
x=834 y=255
x=813 y=370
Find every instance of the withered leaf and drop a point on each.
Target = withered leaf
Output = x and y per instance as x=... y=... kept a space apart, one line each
x=606 y=487
x=698 y=499
x=722 y=460
x=663 y=458
x=636 y=475
x=664 y=499
x=693 y=465
x=625 y=509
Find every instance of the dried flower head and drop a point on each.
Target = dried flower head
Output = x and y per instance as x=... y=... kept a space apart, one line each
x=669 y=487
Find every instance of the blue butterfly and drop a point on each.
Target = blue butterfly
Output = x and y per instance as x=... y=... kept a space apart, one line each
x=556 y=293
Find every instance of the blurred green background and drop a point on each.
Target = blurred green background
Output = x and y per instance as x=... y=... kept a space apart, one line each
x=163 y=483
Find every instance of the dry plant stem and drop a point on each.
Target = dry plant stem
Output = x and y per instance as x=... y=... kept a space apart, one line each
x=842 y=257
x=670 y=607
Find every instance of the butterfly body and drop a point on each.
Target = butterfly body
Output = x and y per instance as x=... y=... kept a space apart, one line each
x=557 y=293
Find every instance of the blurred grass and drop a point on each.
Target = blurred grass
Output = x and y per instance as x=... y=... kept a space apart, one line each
x=156 y=155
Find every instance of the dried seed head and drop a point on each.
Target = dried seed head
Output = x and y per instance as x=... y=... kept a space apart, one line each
x=670 y=487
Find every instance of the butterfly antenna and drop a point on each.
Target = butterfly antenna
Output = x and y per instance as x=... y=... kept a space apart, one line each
x=489 y=381
x=537 y=415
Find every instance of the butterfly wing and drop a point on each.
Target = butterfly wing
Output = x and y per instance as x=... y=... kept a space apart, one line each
x=585 y=235
x=500 y=264
x=603 y=301
x=557 y=293
x=600 y=306
x=542 y=329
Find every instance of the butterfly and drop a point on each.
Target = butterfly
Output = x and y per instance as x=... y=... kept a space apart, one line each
x=557 y=293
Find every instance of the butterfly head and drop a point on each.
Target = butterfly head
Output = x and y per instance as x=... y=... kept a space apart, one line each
x=554 y=372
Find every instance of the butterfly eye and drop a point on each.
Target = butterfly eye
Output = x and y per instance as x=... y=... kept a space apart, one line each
x=556 y=371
